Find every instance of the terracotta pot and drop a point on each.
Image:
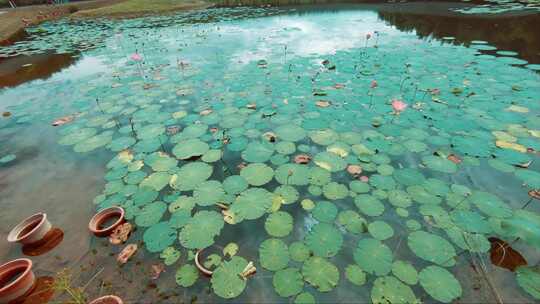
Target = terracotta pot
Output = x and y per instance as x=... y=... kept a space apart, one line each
x=98 y=220
x=107 y=300
x=30 y=230
x=16 y=280
x=200 y=266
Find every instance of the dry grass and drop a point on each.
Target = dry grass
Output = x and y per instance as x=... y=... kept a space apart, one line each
x=131 y=8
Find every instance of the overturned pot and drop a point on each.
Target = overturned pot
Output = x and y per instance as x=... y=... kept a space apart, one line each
x=31 y=230
x=16 y=280
x=107 y=300
x=104 y=222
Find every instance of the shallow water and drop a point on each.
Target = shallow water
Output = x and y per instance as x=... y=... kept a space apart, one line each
x=193 y=62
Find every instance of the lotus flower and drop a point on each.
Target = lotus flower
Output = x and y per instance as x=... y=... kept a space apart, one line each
x=136 y=57
x=398 y=106
x=368 y=35
x=374 y=84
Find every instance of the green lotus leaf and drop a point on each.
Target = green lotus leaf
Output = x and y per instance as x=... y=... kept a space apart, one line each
x=212 y=261
x=439 y=164
x=287 y=193
x=94 y=142
x=299 y=252
x=405 y=271
x=380 y=230
x=235 y=184
x=150 y=131
x=273 y=254
x=159 y=161
x=528 y=278
x=355 y=274
x=470 y=221
x=113 y=187
x=288 y=282
x=304 y=298
x=525 y=225
x=324 y=240
x=191 y=175
x=208 y=193
x=77 y=136
x=390 y=290
x=490 y=204
x=330 y=161
x=258 y=152
x=373 y=257
x=212 y=156
x=257 y=174
x=252 y=204
x=156 y=181
x=230 y=250
x=473 y=242
x=320 y=273
x=121 y=143
x=382 y=182
x=420 y=195
x=324 y=137
x=432 y=248
x=325 y=212
x=319 y=176
x=190 y=148
x=144 y=196
x=399 y=198
x=285 y=147
x=187 y=275
x=7 y=158
x=159 y=236
x=150 y=214
x=440 y=284
x=191 y=132
x=279 y=224
x=369 y=205
x=359 y=187
x=292 y=174
x=200 y=230
x=170 y=255
x=529 y=177
x=335 y=191
x=183 y=202
x=290 y=132
x=352 y=221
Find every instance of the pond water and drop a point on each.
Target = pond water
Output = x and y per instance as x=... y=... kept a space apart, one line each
x=421 y=139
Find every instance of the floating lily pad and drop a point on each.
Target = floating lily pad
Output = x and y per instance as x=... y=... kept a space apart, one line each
x=200 y=230
x=191 y=175
x=355 y=274
x=335 y=191
x=440 y=284
x=235 y=184
x=320 y=273
x=352 y=221
x=325 y=212
x=273 y=254
x=390 y=290
x=187 y=275
x=369 y=205
x=208 y=193
x=299 y=252
x=159 y=236
x=288 y=282
x=324 y=240
x=257 y=174
x=380 y=230
x=170 y=255
x=330 y=161
x=405 y=271
x=432 y=248
x=252 y=203
x=528 y=278
x=279 y=224
x=190 y=148
x=373 y=257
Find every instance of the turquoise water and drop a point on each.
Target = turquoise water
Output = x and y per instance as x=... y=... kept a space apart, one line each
x=165 y=138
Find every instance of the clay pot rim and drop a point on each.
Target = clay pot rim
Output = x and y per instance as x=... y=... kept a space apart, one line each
x=104 y=214
x=27 y=263
x=200 y=266
x=15 y=236
x=107 y=297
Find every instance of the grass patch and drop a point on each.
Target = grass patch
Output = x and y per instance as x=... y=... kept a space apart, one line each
x=143 y=7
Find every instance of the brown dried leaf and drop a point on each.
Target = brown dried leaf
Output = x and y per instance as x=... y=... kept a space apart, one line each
x=454 y=158
x=503 y=255
x=156 y=271
x=323 y=103
x=354 y=170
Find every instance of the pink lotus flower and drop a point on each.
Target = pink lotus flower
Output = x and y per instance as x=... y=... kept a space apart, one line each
x=374 y=84
x=398 y=106
x=136 y=57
